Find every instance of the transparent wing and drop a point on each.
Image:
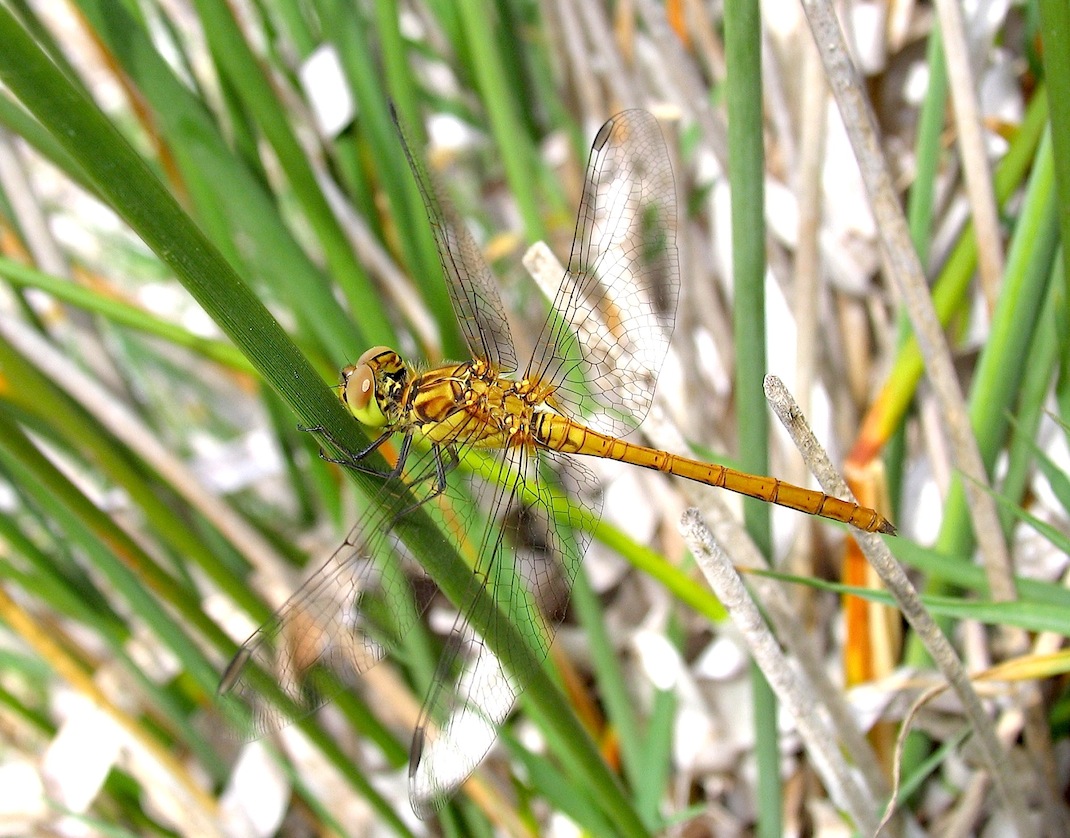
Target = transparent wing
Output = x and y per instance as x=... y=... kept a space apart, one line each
x=484 y=666
x=471 y=284
x=342 y=621
x=605 y=339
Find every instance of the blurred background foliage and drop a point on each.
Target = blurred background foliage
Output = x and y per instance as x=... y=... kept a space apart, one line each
x=206 y=212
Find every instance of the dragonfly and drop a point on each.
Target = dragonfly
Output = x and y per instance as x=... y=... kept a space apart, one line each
x=589 y=382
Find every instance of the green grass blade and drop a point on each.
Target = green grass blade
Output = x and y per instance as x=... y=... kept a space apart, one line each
x=746 y=163
x=240 y=66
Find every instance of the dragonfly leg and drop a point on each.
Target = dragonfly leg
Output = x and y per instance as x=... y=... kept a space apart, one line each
x=442 y=468
x=443 y=465
x=356 y=461
x=325 y=432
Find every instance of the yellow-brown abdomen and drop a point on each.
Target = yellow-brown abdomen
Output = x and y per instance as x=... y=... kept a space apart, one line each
x=564 y=435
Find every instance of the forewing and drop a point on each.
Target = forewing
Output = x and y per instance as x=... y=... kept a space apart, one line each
x=490 y=657
x=471 y=284
x=605 y=340
x=341 y=622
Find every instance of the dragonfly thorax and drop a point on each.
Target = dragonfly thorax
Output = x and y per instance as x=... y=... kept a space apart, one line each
x=467 y=404
x=373 y=388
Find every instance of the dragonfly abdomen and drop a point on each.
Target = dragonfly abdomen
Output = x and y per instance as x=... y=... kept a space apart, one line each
x=772 y=490
x=570 y=437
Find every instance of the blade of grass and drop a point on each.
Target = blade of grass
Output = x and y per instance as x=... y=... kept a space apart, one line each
x=562 y=794
x=233 y=206
x=129 y=568
x=654 y=773
x=1039 y=372
x=1056 y=478
x=746 y=162
x=237 y=62
x=122 y=313
x=928 y=148
x=83 y=433
x=1055 y=27
x=969 y=577
x=949 y=290
x=202 y=806
x=612 y=690
x=1031 y=616
x=512 y=141
x=993 y=391
x=139 y=198
x=378 y=141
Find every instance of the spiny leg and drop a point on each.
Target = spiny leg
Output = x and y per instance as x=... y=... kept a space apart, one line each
x=442 y=467
x=356 y=461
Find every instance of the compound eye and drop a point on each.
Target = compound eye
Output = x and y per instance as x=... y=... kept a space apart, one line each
x=359 y=386
x=358 y=393
x=374 y=352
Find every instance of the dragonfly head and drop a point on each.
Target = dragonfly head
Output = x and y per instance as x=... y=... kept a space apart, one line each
x=372 y=389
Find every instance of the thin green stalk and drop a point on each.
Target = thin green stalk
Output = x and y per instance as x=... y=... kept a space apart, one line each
x=231 y=50
x=232 y=206
x=1055 y=27
x=928 y=149
x=555 y=788
x=123 y=314
x=993 y=391
x=1038 y=375
x=116 y=555
x=612 y=690
x=499 y=98
x=949 y=290
x=657 y=747
x=746 y=165
x=1029 y=261
x=396 y=67
x=1030 y=616
x=746 y=168
x=357 y=50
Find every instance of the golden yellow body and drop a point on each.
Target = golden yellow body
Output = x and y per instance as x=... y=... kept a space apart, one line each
x=470 y=404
